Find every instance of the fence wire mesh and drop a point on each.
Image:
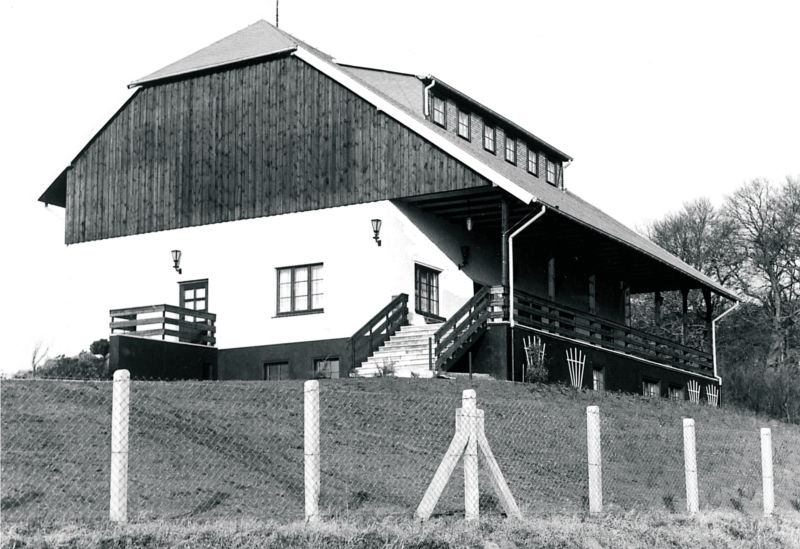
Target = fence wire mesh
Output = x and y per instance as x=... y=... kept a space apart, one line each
x=235 y=449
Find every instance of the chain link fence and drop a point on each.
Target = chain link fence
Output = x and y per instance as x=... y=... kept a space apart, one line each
x=235 y=449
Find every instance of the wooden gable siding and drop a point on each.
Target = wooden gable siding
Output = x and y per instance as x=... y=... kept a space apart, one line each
x=265 y=139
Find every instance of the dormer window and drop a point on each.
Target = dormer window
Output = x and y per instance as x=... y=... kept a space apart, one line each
x=533 y=162
x=464 y=129
x=488 y=138
x=438 y=111
x=551 y=172
x=511 y=150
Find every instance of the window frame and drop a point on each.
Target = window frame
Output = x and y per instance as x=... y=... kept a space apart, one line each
x=309 y=291
x=280 y=364
x=430 y=299
x=326 y=360
x=653 y=384
x=676 y=392
x=512 y=150
x=468 y=135
x=434 y=100
x=493 y=148
x=554 y=179
x=193 y=286
x=601 y=386
x=535 y=162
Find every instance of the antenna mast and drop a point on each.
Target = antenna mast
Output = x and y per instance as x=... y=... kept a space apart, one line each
x=277 y=25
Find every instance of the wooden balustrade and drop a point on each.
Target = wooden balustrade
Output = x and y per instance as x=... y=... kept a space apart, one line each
x=547 y=316
x=378 y=329
x=163 y=321
x=448 y=343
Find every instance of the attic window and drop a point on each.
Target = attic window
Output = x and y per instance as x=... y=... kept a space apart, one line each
x=464 y=129
x=438 y=111
x=511 y=150
x=488 y=138
x=533 y=162
x=551 y=172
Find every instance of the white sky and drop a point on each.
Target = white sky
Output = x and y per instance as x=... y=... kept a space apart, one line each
x=658 y=102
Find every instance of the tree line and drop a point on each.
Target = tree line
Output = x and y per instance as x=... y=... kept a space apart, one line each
x=751 y=245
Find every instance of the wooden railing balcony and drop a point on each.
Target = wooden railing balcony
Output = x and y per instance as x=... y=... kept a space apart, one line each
x=165 y=322
x=548 y=316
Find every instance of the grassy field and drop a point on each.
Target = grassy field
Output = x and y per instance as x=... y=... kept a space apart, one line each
x=232 y=451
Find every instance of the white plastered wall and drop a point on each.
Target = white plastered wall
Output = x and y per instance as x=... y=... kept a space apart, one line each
x=240 y=260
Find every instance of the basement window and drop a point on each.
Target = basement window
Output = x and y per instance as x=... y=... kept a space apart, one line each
x=300 y=289
x=274 y=371
x=438 y=111
x=651 y=389
x=326 y=368
x=464 y=129
x=598 y=379
x=511 y=150
x=676 y=392
x=488 y=138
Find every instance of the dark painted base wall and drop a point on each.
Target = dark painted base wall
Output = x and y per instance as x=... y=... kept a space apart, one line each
x=248 y=362
x=492 y=353
x=156 y=359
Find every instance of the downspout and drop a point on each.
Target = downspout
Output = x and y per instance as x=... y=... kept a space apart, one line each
x=511 y=280
x=714 y=339
x=426 y=97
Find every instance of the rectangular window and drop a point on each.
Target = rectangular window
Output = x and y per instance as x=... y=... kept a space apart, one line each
x=326 y=368
x=193 y=294
x=551 y=172
x=598 y=379
x=427 y=291
x=533 y=162
x=511 y=150
x=438 y=111
x=300 y=289
x=651 y=388
x=488 y=138
x=464 y=129
x=675 y=392
x=274 y=371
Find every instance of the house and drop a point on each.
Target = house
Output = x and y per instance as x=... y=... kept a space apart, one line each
x=327 y=219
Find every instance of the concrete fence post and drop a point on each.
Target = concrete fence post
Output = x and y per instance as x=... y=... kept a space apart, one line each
x=471 y=489
x=120 y=408
x=767 y=483
x=594 y=459
x=690 y=466
x=311 y=448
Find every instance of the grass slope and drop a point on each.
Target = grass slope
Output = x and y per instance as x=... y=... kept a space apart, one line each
x=234 y=450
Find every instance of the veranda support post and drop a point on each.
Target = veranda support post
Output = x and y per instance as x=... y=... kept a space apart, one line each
x=311 y=448
x=767 y=483
x=690 y=466
x=594 y=459
x=120 y=406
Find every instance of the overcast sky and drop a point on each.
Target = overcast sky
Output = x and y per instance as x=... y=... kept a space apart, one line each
x=658 y=102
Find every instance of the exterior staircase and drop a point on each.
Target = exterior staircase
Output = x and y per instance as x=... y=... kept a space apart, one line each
x=405 y=354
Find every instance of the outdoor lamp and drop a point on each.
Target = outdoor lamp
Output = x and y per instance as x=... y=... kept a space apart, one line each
x=376 y=227
x=176 y=258
x=469 y=223
x=464 y=257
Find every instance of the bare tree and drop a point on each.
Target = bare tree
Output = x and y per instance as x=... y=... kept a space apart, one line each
x=38 y=355
x=766 y=245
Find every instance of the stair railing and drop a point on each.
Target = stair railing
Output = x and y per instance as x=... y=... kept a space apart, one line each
x=377 y=330
x=448 y=343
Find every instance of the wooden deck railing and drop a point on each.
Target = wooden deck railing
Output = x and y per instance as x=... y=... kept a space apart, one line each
x=378 y=329
x=163 y=321
x=466 y=325
x=547 y=316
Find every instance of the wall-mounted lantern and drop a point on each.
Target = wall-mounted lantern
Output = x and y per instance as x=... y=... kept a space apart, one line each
x=376 y=228
x=469 y=223
x=464 y=257
x=176 y=259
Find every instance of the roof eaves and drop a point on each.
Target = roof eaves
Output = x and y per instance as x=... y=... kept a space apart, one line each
x=494 y=114
x=211 y=68
x=412 y=123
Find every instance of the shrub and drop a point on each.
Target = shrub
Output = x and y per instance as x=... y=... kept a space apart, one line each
x=84 y=366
